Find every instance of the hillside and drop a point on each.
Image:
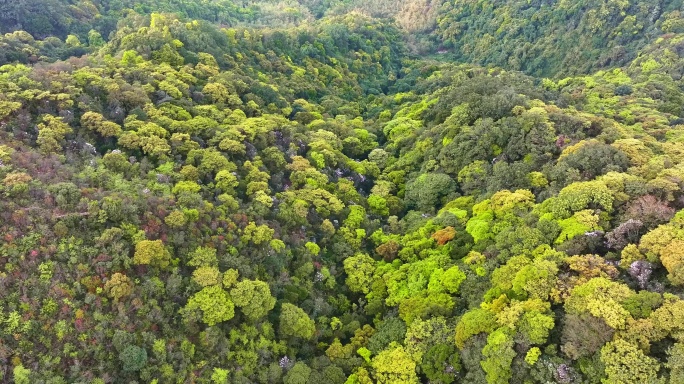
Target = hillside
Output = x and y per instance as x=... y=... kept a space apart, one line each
x=191 y=195
x=551 y=38
x=60 y=18
x=539 y=37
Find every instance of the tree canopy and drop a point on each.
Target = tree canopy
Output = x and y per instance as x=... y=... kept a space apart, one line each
x=341 y=191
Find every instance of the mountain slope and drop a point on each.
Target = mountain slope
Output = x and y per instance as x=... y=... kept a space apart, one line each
x=546 y=38
x=310 y=204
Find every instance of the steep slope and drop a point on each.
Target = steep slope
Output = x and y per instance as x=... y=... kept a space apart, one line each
x=309 y=205
x=550 y=38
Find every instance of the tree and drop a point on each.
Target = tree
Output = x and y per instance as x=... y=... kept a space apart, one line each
x=206 y=276
x=214 y=304
x=425 y=305
x=226 y=181
x=95 y=38
x=641 y=305
x=601 y=297
x=17 y=182
x=230 y=277
x=472 y=323
x=294 y=322
x=361 y=376
x=220 y=376
x=203 y=256
x=445 y=235
x=675 y=362
x=176 y=219
x=118 y=286
x=133 y=358
x=7 y=108
x=672 y=257
x=21 y=375
x=626 y=364
x=593 y=159
x=583 y=335
x=499 y=355
x=441 y=363
x=359 y=271
x=51 y=133
x=72 y=41
x=391 y=329
x=451 y=279
x=650 y=210
x=422 y=335
x=186 y=187
x=96 y=122
x=253 y=298
x=426 y=191
x=257 y=234
x=151 y=252
x=299 y=374
x=626 y=233
x=394 y=366
x=579 y=196
x=220 y=94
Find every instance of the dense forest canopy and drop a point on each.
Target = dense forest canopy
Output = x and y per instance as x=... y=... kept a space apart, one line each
x=550 y=38
x=342 y=191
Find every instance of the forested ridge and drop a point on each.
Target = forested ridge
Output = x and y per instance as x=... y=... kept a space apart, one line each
x=292 y=192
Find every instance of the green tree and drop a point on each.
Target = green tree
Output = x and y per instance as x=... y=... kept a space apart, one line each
x=206 y=276
x=118 y=286
x=394 y=366
x=219 y=376
x=214 y=304
x=176 y=219
x=359 y=269
x=498 y=355
x=73 y=41
x=601 y=297
x=298 y=374
x=21 y=375
x=672 y=257
x=391 y=329
x=441 y=363
x=426 y=191
x=51 y=134
x=451 y=279
x=151 y=252
x=253 y=298
x=96 y=122
x=675 y=362
x=625 y=364
x=133 y=358
x=294 y=322
x=95 y=39
x=474 y=322
x=203 y=256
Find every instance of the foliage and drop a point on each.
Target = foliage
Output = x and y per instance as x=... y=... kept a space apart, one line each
x=279 y=192
x=148 y=252
x=393 y=365
x=517 y=32
x=294 y=322
x=626 y=363
x=253 y=298
x=214 y=303
x=133 y=358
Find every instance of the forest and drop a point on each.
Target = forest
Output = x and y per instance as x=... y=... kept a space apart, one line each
x=342 y=191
